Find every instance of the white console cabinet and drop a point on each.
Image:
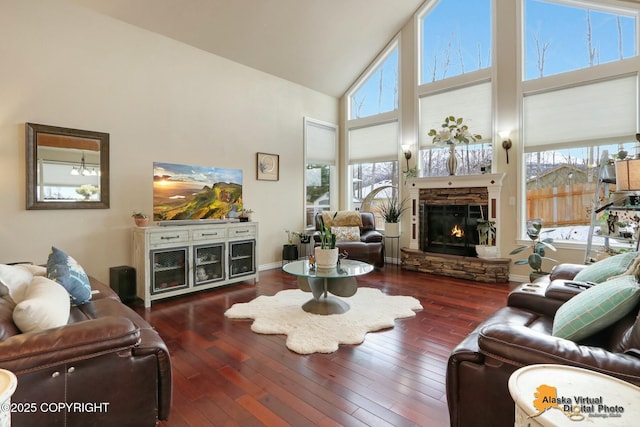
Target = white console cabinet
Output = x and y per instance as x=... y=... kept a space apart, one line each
x=175 y=260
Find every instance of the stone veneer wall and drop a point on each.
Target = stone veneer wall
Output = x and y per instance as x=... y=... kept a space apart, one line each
x=470 y=268
x=454 y=196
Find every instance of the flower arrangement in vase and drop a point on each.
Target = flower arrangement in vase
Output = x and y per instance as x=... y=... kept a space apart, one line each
x=453 y=132
x=87 y=190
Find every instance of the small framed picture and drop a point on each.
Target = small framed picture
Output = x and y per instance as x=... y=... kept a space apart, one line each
x=268 y=167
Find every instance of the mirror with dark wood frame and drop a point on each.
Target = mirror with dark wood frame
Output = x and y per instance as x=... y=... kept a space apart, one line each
x=66 y=168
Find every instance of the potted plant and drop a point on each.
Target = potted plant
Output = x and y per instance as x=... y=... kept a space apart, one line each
x=141 y=219
x=304 y=237
x=391 y=212
x=326 y=255
x=539 y=247
x=486 y=247
x=245 y=215
x=410 y=173
x=290 y=250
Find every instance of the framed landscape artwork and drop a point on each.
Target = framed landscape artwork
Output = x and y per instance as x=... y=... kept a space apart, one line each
x=183 y=192
x=267 y=167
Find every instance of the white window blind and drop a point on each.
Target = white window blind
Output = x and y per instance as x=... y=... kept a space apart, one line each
x=374 y=143
x=472 y=103
x=605 y=111
x=321 y=143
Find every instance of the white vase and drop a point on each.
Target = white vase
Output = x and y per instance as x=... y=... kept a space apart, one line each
x=391 y=229
x=452 y=161
x=326 y=258
x=485 y=251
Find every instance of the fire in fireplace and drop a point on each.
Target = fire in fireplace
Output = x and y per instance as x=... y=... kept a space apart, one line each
x=449 y=229
x=456 y=231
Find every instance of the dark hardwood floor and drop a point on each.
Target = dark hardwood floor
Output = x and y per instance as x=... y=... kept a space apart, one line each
x=226 y=375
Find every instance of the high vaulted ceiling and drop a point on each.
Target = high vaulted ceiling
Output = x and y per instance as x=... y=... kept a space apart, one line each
x=321 y=44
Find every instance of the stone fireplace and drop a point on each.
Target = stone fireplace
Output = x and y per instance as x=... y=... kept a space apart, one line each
x=444 y=214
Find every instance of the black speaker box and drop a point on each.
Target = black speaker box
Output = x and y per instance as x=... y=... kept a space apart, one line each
x=122 y=280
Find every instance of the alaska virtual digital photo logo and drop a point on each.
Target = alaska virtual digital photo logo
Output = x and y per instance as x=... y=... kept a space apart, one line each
x=576 y=408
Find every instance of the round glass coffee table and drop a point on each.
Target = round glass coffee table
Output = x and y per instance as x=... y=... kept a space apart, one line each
x=340 y=281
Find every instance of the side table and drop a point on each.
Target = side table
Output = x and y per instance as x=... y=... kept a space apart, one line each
x=559 y=395
x=8 y=384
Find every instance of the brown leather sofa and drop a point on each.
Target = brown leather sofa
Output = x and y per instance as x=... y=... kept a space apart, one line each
x=106 y=367
x=369 y=249
x=518 y=335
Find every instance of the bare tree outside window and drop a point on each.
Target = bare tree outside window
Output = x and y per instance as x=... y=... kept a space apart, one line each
x=608 y=36
x=379 y=93
x=453 y=38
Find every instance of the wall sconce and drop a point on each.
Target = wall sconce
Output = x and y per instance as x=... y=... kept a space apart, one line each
x=406 y=149
x=506 y=142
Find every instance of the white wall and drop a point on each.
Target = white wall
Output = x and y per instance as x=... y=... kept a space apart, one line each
x=159 y=100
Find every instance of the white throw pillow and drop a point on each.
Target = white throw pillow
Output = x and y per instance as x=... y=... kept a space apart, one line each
x=15 y=281
x=46 y=305
x=36 y=270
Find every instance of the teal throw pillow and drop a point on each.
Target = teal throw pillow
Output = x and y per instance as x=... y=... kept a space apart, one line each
x=596 y=308
x=607 y=268
x=66 y=271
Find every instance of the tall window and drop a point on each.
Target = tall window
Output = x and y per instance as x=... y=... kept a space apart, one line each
x=373 y=135
x=454 y=40
x=455 y=80
x=373 y=154
x=567 y=36
x=321 y=191
x=379 y=92
x=580 y=97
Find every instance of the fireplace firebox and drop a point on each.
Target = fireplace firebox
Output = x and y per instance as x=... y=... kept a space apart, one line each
x=449 y=229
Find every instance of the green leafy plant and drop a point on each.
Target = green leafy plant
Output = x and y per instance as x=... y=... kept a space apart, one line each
x=304 y=237
x=327 y=238
x=453 y=131
x=245 y=213
x=410 y=173
x=539 y=246
x=392 y=209
x=486 y=232
x=139 y=215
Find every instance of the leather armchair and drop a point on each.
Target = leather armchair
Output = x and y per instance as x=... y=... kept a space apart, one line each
x=369 y=249
x=518 y=335
x=107 y=361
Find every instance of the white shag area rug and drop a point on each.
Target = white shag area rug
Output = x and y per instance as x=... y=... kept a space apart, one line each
x=307 y=333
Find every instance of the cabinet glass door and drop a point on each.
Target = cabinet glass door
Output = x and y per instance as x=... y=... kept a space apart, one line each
x=168 y=269
x=208 y=263
x=242 y=258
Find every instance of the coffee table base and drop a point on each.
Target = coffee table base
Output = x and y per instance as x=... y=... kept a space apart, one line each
x=322 y=302
x=326 y=305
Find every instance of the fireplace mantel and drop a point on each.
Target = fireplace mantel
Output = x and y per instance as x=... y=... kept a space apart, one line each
x=492 y=182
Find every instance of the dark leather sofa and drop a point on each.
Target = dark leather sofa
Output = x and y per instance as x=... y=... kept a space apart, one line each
x=519 y=335
x=107 y=364
x=369 y=249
